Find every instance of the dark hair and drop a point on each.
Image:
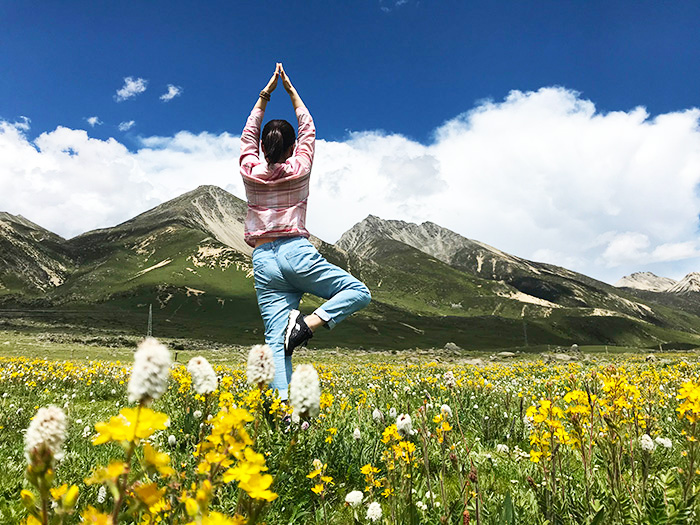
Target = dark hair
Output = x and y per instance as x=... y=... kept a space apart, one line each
x=277 y=137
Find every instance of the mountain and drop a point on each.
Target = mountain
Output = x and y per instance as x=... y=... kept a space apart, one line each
x=32 y=259
x=531 y=282
x=690 y=283
x=646 y=281
x=187 y=259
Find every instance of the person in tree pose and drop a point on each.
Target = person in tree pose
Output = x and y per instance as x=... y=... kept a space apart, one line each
x=285 y=264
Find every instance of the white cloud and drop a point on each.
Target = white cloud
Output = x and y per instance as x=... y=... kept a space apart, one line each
x=126 y=125
x=541 y=175
x=94 y=121
x=131 y=88
x=173 y=91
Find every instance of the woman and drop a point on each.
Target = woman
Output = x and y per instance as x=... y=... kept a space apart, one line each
x=285 y=263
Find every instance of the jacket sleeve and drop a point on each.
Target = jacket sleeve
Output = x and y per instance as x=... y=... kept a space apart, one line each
x=300 y=163
x=250 y=138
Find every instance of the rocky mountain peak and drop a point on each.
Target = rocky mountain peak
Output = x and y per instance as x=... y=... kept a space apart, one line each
x=689 y=283
x=208 y=208
x=646 y=281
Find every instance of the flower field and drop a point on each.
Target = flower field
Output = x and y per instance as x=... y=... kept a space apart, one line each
x=608 y=441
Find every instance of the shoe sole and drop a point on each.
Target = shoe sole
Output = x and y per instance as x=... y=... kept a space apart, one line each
x=290 y=326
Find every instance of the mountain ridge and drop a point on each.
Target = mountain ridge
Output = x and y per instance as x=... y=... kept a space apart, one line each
x=187 y=257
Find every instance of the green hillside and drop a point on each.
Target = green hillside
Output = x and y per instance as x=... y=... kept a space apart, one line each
x=187 y=260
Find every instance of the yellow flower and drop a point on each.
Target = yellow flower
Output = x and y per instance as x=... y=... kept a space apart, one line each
x=318 y=488
x=159 y=460
x=130 y=425
x=57 y=492
x=110 y=473
x=92 y=516
x=70 y=498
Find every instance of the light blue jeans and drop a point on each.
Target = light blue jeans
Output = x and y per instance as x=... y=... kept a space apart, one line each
x=284 y=270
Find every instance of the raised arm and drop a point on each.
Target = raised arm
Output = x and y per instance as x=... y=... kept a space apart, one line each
x=289 y=88
x=250 y=138
x=306 y=135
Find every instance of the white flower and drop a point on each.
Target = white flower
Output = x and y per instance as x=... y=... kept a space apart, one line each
x=87 y=431
x=377 y=416
x=647 y=443
x=149 y=376
x=295 y=418
x=446 y=410
x=102 y=494
x=197 y=414
x=357 y=435
x=354 y=498
x=664 y=442
x=204 y=378
x=374 y=512
x=404 y=426
x=171 y=440
x=261 y=366
x=47 y=429
x=421 y=505
x=502 y=449
x=305 y=391
x=449 y=379
x=392 y=412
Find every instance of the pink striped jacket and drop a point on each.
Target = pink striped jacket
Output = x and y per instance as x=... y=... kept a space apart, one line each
x=277 y=193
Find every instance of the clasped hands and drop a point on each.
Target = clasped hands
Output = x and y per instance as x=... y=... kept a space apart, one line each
x=272 y=84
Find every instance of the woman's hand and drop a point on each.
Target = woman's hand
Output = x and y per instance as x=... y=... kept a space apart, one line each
x=285 y=79
x=272 y=84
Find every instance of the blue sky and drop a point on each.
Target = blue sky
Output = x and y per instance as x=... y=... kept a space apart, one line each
x=359 y=65
x=559 y=131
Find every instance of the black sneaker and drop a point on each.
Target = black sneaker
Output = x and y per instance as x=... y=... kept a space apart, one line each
x=297 y=333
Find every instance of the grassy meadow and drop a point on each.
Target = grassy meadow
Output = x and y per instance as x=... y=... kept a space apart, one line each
x=608 y=437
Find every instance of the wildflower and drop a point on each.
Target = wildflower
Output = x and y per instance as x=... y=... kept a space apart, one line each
x=647 y=443
x=664 y=442
x=377 y=416
x=46 y=430
x=102 y=494
x=197 y=414
x=502 y=449
x=374 y=512
x=130 y=425
x=357 y=435
x=449 y=379
x=171 y=440
x=261 y=367
x=446 y=410
x=392 y=412
x=204 y=378
x=87 y=431
x=404 y=426
x=149 y=376
x=354 y=498
x=305 y=391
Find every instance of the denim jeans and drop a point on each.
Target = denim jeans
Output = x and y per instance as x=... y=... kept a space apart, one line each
x=284 y=270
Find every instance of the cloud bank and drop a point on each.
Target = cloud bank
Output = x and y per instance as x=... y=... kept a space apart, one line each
x=542 y=175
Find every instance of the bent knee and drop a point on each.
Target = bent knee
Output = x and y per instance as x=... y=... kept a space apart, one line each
x=365 y=297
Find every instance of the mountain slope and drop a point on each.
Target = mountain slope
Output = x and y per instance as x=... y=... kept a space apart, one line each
x=187 y=258
x=646 y=281
x=539 y=280
x=32 y=259
x=689 y=284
